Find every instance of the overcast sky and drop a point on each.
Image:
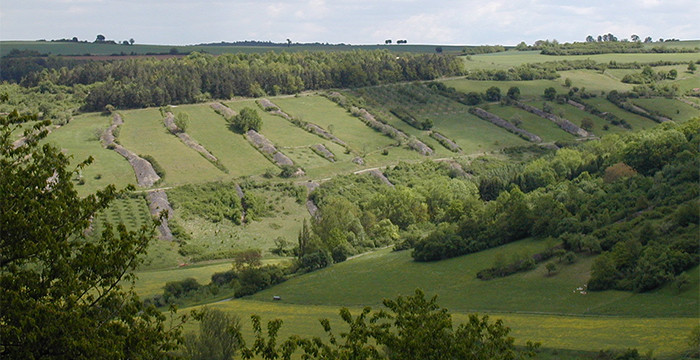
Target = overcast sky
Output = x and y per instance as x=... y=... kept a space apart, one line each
x=463 y=22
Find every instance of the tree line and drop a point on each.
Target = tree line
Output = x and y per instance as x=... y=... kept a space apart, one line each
x=135 y=83
x=629 y=197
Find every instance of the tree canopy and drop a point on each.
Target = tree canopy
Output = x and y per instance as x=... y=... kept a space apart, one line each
x=63 y=289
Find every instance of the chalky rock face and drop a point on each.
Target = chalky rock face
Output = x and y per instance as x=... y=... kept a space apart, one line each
x=157 y=204
x=266 y=147
x=146 y=176
x=169 y=122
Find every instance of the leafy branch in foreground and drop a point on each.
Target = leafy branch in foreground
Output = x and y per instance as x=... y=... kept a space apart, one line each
x=63 y=292
x=411 y=327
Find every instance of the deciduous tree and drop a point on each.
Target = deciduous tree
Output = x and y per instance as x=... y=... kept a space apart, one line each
x=65 y=294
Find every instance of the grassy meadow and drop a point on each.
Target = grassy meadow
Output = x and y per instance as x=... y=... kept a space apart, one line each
x=233 y=150
x=507 y=59
x=80 y=139
x=538 y=306
x=546 y=129
x=144 y=133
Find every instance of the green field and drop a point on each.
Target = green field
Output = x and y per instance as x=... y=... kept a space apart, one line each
x=536 y=306
x=594 y=81
x=505 y=60
x=529 y=90
x=665 y=336
x=211 y=239
x=637 y=122
x=143 y=133
x=386 y=274
x=328 y=115
x=670 y=108
x=546 y=129
x=79 y=139
x=133 y=212
x=233 y=150
x=449 y=117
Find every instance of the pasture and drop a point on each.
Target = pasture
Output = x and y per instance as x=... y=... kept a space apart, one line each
x=665 y=336
x=670 y=108
x=233 y=150
x=637 y=122
x=385 y=274
x=143 y=133
x=537 y=307
x=79 y=138
x=449 y=117
x=546 y=129
x=511 y=58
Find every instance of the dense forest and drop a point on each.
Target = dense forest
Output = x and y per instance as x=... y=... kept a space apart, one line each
x=631 y=198
x=136 y=83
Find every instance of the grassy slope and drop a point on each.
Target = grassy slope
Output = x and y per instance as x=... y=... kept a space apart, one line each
x=233 y=150
x=538 y=307
x=321 y=111
x=512 y=58
x=663 y=335
x=546 y=129
x=260 y=234
x=143 y=133
x=594 y=80
x=292 y=140
x=528 y=89
x=382 y=274
x=671 y=108
x=79 y=139
x=637 y=122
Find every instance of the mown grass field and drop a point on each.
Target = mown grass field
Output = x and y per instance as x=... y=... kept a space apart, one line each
x=637 y=122
x=80 y=139
x=333 y=118
x=665 y=336
x=546 y=129
x=143 y=133
x=449 y=117
x=505 y=60
x=670 y=108
x=593 y=80
x=292 y=140
x=233 y=150
x=385 y=274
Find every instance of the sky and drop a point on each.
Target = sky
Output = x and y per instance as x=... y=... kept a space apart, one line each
x=458 y=22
